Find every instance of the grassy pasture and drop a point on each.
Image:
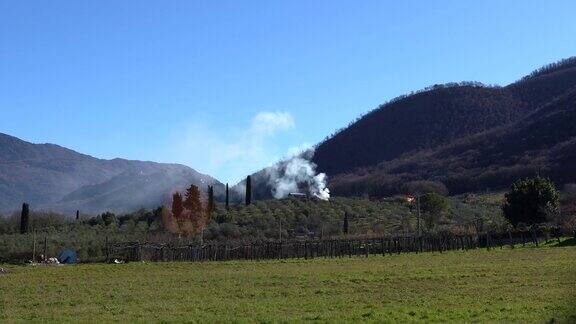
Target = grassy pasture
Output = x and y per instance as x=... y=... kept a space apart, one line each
x=521 y=285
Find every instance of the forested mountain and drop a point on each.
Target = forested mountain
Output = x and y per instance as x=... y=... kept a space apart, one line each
x=52 y=177
x=437 y=116
x=543 y=142
x=468 y=136
x=423 y=120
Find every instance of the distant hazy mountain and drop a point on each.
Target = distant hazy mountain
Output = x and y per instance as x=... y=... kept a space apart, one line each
x=52 y=177
x=445 y=133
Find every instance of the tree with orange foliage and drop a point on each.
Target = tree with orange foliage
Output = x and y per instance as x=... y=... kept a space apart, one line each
x=188 y=215
x=194 y=208
x=177 y=206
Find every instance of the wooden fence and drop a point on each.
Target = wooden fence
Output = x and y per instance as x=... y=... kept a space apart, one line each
x=332 y=248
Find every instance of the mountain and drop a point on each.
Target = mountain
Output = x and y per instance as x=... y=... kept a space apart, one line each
x=443 y=134
x=543 y=142
x=437 y=116
x=464 y=136
x=51 y=177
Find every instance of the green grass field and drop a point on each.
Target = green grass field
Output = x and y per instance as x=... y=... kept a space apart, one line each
x=520 y=285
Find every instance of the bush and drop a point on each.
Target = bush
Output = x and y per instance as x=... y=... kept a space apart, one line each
x=433 y=206
x=531 y=201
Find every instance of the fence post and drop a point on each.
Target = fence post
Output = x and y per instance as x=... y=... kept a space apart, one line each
x=366 y=248
x=107 y=250
x=45 y=248
x=34 y=247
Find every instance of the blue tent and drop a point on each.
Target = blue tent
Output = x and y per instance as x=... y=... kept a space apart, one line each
x=67 y=256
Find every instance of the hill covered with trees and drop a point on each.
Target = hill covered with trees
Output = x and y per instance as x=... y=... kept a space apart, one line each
x=466 y=137
x=439 y=115
x=542 y=142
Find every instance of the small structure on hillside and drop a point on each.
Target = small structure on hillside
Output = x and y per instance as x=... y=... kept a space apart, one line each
x=407 y=198
x=298 y=195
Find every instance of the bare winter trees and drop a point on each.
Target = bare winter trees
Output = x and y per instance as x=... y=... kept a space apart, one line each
x=188 y=215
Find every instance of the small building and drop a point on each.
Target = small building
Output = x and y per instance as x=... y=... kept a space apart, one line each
x=298 y=195
x=408 y=198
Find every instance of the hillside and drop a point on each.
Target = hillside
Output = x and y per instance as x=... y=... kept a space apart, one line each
x=52 y=177
x=439 y=116
x=423 y=120
x=543 y=142
x=406 y=139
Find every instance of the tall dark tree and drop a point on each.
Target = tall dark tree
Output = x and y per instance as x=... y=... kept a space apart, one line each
x=211 y=207
x=248 y=190
x=345 y=225
x=227 y=197
x=531 y=201
x=24 y=218
x=192 y=201
x=77 y=214
x=177 y=205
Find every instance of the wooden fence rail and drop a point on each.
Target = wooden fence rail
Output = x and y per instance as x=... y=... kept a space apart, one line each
x=332 y=248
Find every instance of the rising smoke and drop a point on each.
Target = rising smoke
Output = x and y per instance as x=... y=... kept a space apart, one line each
x=296 y=174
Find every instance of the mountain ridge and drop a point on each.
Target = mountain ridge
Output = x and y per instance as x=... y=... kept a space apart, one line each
x=53 y=177
x=543 y=142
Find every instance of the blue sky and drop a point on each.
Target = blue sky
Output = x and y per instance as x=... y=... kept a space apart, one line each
x=228 y=87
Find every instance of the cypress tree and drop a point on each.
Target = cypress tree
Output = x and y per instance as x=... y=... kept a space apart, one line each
x=248 y=190
x=227 y=197
x=177 y=205
x=345 y=226
x=211 y=205
x=77 y=214
x=192 y=201
x=24 y=218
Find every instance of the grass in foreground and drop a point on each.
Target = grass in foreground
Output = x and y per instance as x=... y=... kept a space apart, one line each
x=523 y=284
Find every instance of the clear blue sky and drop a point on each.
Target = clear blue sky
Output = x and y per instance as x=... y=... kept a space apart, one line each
x=227 y=87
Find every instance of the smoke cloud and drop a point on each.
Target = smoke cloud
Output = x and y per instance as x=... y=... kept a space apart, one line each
x=297 y=174
x=229 y=153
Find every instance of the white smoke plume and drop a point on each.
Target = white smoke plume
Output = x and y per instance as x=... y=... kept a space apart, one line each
x=295 y=174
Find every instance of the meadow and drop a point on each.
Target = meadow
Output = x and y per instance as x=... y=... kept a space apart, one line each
x=524 y=284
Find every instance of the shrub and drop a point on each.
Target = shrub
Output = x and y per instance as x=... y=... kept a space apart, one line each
x=433 y=206
x=531 y=201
